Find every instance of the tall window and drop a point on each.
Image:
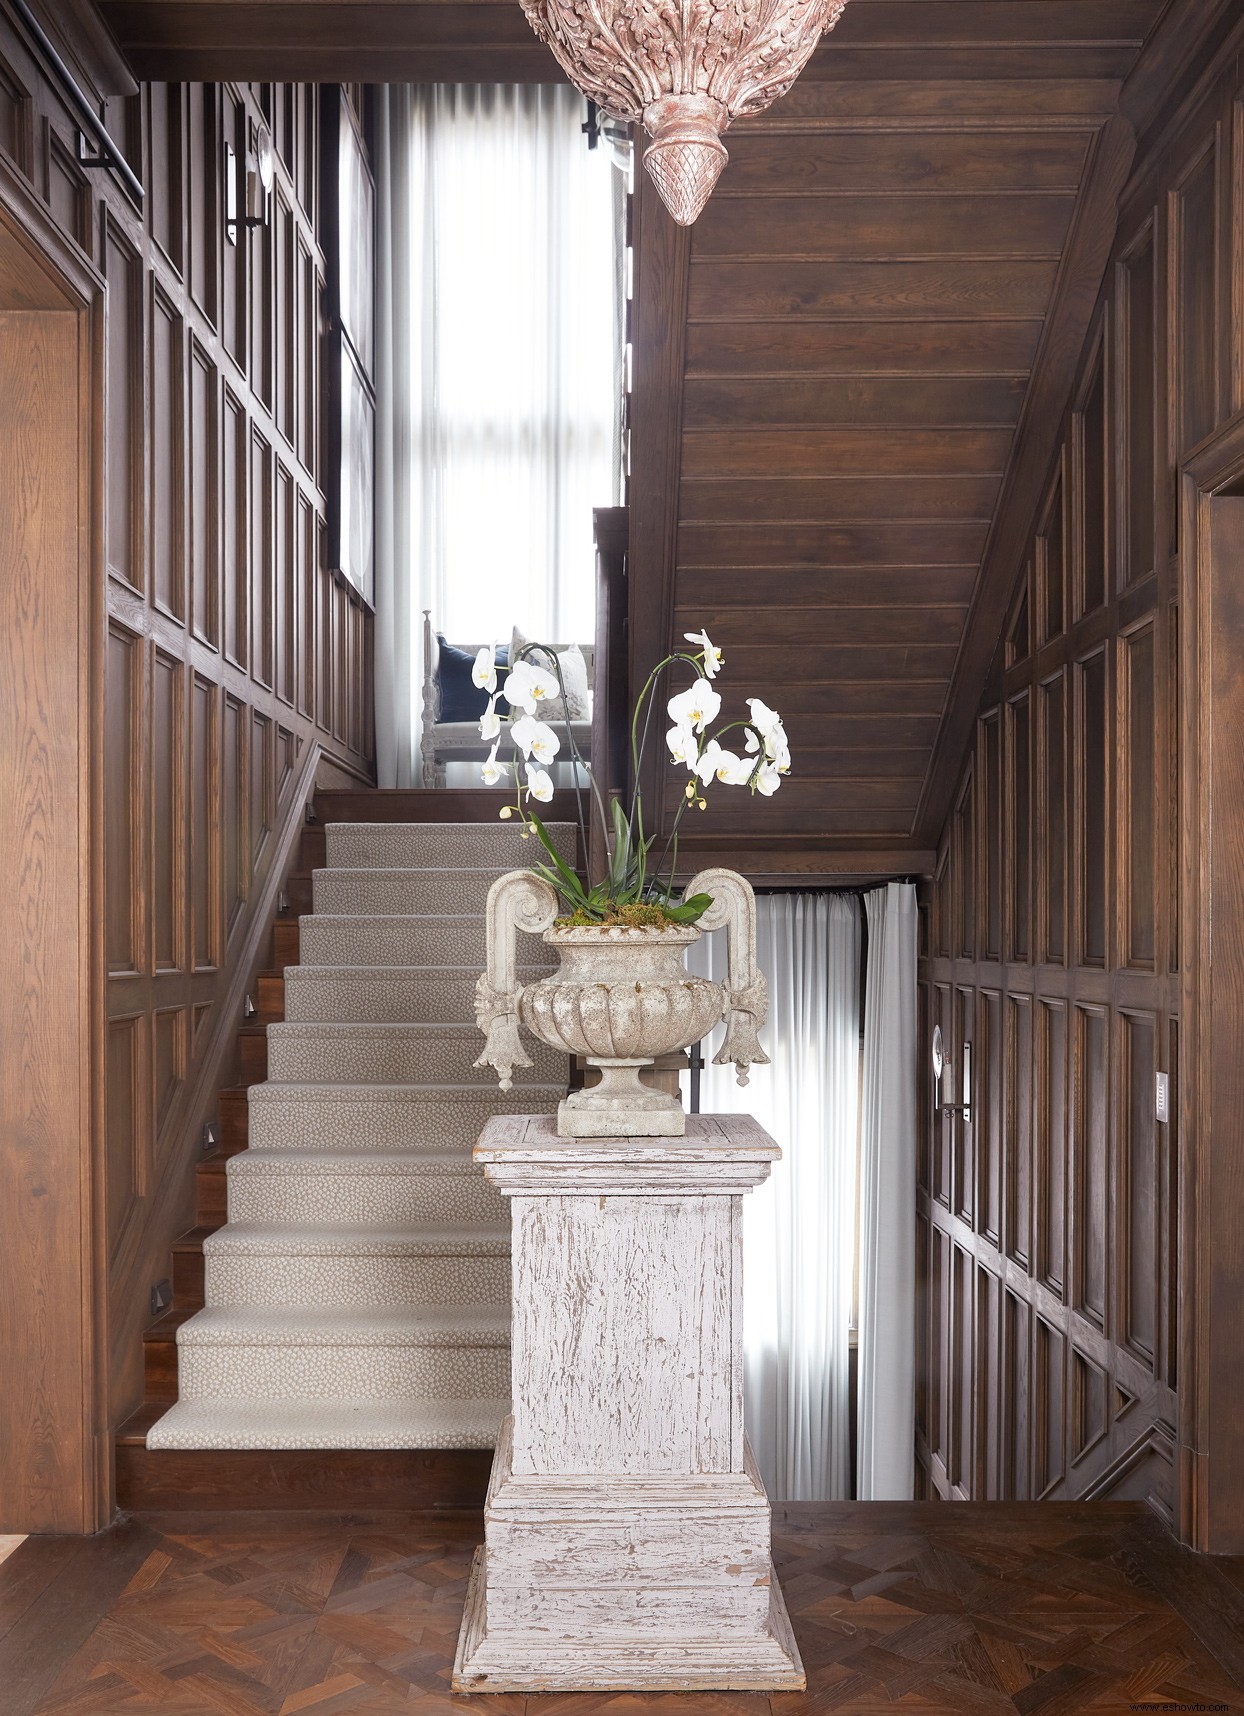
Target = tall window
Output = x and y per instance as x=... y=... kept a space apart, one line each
x=514 y=400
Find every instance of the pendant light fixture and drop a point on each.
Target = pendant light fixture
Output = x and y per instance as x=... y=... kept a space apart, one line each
x=686 y=69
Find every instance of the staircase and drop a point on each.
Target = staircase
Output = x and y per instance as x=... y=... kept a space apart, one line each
x=357 y=1295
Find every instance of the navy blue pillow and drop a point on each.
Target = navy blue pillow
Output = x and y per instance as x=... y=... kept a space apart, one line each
x=461 y=698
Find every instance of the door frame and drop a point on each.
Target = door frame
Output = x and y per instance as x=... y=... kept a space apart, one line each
x=1211 y=1095
x=60 y=1478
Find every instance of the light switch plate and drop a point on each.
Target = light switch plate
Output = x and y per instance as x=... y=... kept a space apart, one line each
x=1162 y=1099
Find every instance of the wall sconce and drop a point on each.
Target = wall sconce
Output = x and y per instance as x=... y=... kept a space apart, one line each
x=260 y=177
x=963 y=1108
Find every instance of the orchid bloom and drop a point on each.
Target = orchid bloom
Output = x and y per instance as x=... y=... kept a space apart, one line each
x=768 y=780
x=490 y=721
x=535 y=739
x=484 y=673
x=695 y=707
x=714 y=661
x=539 y=785
x=683 y=745
x=526 y=687
x=769 y=725
x=491 y=769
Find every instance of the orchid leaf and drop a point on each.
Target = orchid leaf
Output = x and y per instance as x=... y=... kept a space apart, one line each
x=690 y=911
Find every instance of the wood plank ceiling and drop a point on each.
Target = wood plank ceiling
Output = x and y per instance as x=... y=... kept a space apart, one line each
x=848 y=375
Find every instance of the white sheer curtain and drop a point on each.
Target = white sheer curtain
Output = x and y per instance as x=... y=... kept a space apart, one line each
x=887 y=1276
x=799 y=1228
x=498 y=416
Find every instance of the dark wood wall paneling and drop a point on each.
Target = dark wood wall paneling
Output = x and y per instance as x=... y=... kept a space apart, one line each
x=229 y=646
x=1049 y=1227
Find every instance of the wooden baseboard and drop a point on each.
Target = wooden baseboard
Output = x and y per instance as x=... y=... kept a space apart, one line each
x=424 y=1480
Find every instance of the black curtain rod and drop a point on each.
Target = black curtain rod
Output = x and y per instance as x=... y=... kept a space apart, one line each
x=109 y=155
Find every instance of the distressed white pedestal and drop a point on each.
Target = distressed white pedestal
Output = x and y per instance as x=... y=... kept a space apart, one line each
x=627 y=1532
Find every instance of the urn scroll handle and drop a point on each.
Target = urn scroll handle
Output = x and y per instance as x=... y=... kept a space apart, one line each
x=516 y=901
x=747 y=996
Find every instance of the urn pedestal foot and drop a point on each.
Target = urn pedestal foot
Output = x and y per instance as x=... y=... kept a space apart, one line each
x=627 y=1530
x=620 y=1106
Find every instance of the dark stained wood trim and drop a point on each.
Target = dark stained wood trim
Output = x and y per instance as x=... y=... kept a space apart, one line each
x=659 y=343
x=1036 y=443
x=1187 y=38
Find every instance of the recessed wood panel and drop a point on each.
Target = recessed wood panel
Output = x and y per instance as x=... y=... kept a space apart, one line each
x=307 y=576
x=168 y=835
x=127 y=1122
x=1196 y=348
x=1139 y=1170
x=262 y=787
x=125 y=371
x=259 y=242
x=1019 y=826
x=165 y=168
x=1051 y=875
x=284 y=582
x=1095 y=490
x=167 y=370
x=1138 y=749
x=203 y=228
x=234 y=811
x=205 y=825
x=1090 y=1164
x=122 y=800
x=1052 y=564
x=1049 y=1418
x=990 y=742
x=1051 y=1142
x=1093 y=777
x=262 y=592
x=169 y=1062
x=1137 y=290
x=203 y=426
x=1017 y=1415
x=989 y=1114
x=1018 y=1178
x=235 y=529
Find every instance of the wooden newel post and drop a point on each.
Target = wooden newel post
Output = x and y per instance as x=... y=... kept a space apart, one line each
x=627 y=1532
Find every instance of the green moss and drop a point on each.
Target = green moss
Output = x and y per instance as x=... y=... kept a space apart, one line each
x=620 y=917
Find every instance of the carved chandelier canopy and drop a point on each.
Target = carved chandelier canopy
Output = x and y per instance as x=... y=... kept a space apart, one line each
x=686 y=68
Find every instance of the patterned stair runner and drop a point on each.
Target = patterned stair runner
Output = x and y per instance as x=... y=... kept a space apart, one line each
x=359 y=1294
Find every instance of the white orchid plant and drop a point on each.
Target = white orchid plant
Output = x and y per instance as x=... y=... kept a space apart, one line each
x=633 y=890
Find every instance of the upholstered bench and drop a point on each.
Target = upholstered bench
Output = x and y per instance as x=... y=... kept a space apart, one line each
x=458 y=741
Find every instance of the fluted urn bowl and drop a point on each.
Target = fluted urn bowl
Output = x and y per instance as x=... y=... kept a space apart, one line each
x=621 y=998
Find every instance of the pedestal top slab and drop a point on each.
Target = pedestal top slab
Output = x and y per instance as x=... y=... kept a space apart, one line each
x=721 y=1154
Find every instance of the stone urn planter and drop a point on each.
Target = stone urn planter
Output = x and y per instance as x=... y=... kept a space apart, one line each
x=621 y=998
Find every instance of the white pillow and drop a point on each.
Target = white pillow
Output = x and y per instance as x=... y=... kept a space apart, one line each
x=574 y=676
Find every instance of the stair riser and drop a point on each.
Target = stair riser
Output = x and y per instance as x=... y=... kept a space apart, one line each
x=316 y=996
x=343 y=1373
x=384 y=1201
x=356 y=1282
x=436 y=846
x=353 y=892
x=323 y=1056
x=406 y=941
x=298 y=1122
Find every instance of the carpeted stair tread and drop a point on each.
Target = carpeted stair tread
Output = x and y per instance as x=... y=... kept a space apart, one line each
x=384 y=889
x=384 y=1116
x=405 y=938
x=254 y=1238
x=438 y=845
x=451 y=1423
x=383 y=1053
x=354 y=1165
x=390 y=1187
x=376 y=1326
x=386 y=994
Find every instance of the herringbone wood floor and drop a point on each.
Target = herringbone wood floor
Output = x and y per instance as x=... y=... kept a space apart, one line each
x=930 y=1607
